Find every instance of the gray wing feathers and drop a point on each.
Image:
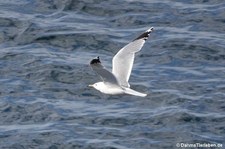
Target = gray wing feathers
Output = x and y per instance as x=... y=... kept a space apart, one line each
x=123 y=63
x=123 y=60
x=104 y=74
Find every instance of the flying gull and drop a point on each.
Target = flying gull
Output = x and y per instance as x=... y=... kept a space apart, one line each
x=116 y=82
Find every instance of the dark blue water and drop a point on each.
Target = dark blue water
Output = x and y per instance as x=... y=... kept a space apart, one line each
x=45 y=49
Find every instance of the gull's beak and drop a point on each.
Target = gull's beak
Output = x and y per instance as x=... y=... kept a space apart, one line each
x=91 y=85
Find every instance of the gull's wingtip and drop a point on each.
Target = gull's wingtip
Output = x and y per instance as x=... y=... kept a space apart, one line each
x=95 y=61
x=145 y=35
x=150 y=29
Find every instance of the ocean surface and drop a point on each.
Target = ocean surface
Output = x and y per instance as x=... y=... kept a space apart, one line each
x=45 y=50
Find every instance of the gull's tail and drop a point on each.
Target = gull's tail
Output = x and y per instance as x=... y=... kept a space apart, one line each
x=133 y=92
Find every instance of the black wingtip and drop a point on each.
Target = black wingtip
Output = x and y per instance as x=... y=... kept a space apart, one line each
x=95 y=61
x=145 y=35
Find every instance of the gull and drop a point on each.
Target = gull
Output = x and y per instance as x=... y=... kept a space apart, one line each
x=116 y=82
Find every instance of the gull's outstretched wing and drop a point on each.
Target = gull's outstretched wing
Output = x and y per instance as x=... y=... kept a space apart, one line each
x=124 y=59
x=105 y=75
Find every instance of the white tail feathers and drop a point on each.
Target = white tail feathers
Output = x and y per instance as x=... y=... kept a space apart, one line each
x=133 y=92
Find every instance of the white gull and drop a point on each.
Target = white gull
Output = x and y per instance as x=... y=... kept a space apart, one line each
x=116 y=82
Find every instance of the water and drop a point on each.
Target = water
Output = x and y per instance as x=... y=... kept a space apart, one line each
x=45 y=48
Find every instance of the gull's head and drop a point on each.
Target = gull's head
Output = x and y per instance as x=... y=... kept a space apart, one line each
x=97 y=86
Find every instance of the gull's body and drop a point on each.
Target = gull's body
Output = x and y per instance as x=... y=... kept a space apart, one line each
x=117 y=81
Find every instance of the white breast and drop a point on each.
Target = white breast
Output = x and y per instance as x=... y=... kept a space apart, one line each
x=111 y=89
